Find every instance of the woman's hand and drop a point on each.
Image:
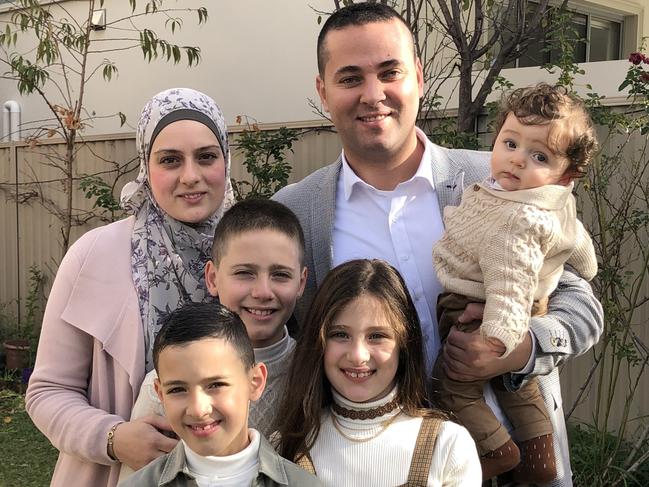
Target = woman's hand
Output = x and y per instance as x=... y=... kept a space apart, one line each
x=469 y=357
x=137 y=443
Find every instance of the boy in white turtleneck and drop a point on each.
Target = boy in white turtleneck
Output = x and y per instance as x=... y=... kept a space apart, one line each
x=207 y=377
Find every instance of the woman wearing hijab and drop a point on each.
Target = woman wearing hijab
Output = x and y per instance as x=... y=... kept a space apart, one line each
x=118 y=282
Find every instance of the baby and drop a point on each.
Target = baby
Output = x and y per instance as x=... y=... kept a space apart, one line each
x=506 y=245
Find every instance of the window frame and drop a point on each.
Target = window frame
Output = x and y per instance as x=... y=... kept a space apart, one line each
x=599 y=13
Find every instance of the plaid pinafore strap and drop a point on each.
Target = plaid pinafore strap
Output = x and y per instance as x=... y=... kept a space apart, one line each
x=305 y=463
x=421 y=457
x=423 y=454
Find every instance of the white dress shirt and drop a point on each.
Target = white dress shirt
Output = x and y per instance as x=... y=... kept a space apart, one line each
x=399 y=226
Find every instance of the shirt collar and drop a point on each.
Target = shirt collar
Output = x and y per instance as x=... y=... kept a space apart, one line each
x=424 y=171
x=551 y=197
x=270 y=463
x=175 y=465
x=493 y=184
x=225 y=466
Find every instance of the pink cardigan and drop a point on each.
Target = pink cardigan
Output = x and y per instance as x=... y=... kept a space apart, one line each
x=90 y=360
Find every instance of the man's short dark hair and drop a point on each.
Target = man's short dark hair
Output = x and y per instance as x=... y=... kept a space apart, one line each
x=199 y=321
x=256 y=214
x=356 y=14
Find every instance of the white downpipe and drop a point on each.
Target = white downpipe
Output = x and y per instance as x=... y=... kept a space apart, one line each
x=11 y=121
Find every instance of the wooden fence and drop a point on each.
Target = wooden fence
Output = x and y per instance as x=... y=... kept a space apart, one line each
x=31 y=233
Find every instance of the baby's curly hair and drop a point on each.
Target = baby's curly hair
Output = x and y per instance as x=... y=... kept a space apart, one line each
x=572 y=134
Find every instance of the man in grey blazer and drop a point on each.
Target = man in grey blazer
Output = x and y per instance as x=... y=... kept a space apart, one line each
x=384 y=196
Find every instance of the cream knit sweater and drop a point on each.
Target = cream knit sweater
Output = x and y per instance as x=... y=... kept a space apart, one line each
x=385 y=459
x=508 y=248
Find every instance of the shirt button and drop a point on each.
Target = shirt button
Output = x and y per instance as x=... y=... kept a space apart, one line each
x=476 y=187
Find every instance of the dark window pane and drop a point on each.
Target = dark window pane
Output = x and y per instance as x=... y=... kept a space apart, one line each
x=535 y=55
x=604 y=40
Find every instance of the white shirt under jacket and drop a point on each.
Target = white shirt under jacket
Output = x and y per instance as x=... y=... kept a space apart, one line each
x=398 y=226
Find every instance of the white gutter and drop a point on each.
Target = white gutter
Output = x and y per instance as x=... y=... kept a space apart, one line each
x=11 y=121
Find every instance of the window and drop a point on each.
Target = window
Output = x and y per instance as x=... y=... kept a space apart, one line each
x=602 y=41
x=605 y=38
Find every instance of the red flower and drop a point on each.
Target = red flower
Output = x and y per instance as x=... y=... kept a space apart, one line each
x=644 y=77
x=636 y=58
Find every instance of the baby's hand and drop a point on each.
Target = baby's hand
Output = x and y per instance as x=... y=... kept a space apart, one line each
x=472 y=312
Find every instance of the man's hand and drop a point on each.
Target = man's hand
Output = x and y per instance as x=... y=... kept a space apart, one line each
x=139 y=442
x=469 y=357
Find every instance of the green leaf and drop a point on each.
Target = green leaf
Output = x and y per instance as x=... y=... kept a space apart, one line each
x=175 y=22
x=202 y=15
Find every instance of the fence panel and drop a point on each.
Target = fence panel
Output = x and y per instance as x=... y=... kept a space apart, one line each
x=574 y=374
x=38 y=238
x=8 y=242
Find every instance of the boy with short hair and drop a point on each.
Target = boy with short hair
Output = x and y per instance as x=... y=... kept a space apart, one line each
x=257 y=270
x=207 y=377
x=506 y=245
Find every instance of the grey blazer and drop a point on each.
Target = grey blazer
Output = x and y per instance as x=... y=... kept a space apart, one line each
x=572 y=326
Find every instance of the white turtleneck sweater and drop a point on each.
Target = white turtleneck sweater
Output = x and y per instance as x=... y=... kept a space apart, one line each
x=385 y=459
x=230 y=471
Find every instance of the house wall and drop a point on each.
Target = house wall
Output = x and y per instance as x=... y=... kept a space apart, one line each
x=258 y=59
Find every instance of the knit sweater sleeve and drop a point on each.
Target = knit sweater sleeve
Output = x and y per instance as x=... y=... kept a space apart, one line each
x=147 y=402
x=583 y=259
x=510 y=262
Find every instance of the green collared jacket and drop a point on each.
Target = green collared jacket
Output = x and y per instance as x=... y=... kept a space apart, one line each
x=170 y=470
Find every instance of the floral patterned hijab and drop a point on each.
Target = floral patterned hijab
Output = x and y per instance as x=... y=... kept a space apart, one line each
x=167 y=256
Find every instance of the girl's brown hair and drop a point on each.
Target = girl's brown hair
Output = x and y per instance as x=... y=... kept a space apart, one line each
x=309 y=390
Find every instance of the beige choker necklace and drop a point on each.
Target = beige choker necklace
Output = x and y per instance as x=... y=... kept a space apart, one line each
x=365 y=413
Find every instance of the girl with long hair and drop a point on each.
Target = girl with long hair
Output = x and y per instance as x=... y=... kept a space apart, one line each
x=356 y=411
